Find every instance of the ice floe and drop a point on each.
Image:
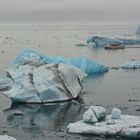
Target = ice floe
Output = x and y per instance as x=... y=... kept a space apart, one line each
x=131 y=65
x=36 y=78
x=89 y=117
x=87 y=65
x=113 y=125
x=106 y=41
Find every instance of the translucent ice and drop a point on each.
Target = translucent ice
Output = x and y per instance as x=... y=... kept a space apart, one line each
x=131 y=65
x=87 y=65
x=116 y=113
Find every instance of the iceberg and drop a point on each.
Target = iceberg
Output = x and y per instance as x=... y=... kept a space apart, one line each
x=45 y=83
x=99 y=111
x=89 y=66
x=6 y=137
x=106 y=41
x=131 y=65
x=138 y=30
x=125 y=126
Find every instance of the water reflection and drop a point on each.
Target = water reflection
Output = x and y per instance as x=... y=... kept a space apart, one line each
x=38 y=117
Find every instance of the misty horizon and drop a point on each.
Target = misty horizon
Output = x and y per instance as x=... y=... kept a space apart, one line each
x=20 y=11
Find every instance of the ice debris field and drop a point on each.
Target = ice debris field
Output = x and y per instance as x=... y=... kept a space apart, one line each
x=96 y=122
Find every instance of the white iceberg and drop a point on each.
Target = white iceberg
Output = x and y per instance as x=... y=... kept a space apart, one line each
x=126 y=126
x=89 y=66
x=106 y=41
x=6 y=137
x=44 y=83
x=131 y=65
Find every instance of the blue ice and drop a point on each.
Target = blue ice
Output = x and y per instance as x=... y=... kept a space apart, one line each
x=87 y=65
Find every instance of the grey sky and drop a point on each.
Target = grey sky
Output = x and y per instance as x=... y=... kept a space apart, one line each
x=63 y=10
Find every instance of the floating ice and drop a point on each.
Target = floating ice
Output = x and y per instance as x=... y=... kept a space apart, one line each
x=94 y=114
x=45 y=83
x=89 y=39
x=5 y=83
x=138 y=30
x=116 y=113
x=127 y=126
x=92 y=44
x=87 y=65
x=106 y=41
x=6 y=137
x=89 y=117
x=131 y=65
x=99 y=111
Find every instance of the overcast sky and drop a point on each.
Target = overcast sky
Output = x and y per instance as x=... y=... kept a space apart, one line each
x=64 y=10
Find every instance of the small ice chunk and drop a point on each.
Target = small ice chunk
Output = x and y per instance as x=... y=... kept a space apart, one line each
x=89 y=117
x=116 y=113
x=18 y=113
x=138 y=30
x=99 y=111
x=5 y=84
x=131 y=65
x=46 y=83
x=6 y=137
x=92 y=44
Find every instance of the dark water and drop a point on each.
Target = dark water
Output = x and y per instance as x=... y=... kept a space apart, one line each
x=116 y=88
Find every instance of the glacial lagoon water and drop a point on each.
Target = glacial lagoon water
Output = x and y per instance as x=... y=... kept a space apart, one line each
x=116 y=88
